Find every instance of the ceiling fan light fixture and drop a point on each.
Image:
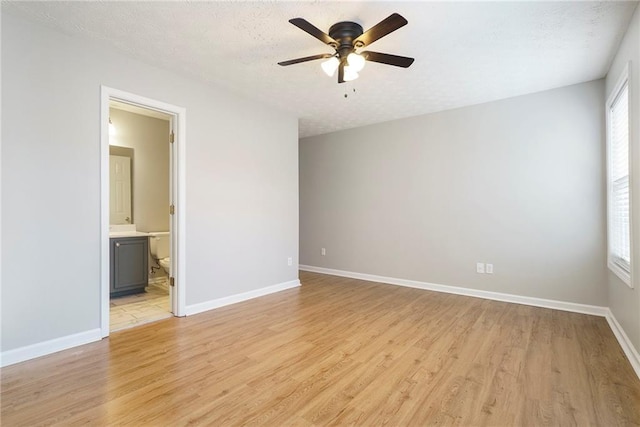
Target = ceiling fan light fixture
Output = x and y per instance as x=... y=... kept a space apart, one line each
x=350 y=73
x=356 y=62
x=330 y=66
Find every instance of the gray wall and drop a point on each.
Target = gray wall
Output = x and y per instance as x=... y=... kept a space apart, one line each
x=624 y=301
x=241 y=182
x=518 y=183
x=149 y=138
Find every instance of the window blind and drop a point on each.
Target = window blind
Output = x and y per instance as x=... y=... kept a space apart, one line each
x=619 y=209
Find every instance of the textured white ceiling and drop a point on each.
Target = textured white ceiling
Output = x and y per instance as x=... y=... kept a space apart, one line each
x=466 y=52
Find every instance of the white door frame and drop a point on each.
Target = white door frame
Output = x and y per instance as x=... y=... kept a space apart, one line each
x=178 y=220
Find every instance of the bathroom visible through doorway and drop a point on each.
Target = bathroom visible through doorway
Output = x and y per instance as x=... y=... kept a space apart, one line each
x=142 y=146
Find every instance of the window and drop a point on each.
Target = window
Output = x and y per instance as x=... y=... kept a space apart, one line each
x=618 y=200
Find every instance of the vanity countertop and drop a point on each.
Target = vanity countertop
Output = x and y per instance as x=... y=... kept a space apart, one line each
x=125 y=230
x=120 y=234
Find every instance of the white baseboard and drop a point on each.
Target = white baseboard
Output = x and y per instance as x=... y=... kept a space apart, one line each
x=29 y=352
x=22 y=354
x=233 y=299
x=627 y=347
x=496 y=296
x=625 y=343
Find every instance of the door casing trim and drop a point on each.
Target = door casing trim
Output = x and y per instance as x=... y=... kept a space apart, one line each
x=178 y=192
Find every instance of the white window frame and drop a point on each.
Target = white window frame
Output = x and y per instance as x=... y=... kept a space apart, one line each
x=614 y=266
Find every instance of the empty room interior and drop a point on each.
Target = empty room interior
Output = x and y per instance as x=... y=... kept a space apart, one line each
x=320 y=213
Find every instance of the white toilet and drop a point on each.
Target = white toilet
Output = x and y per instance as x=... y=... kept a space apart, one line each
x=159 y=248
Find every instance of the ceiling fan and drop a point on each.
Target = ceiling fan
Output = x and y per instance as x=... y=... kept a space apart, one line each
x=345 y=37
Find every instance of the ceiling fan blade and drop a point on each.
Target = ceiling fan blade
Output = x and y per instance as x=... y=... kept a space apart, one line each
x=381 y=29
x=308 y=27
x=386 y=58
x=305 y=59
x=341 y=72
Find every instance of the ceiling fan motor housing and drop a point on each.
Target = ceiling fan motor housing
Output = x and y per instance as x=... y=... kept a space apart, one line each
x=345 y=33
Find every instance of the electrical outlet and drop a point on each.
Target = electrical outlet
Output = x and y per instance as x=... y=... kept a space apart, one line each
x=290 y=261
x=323 y=251
x=480 y=267
x=489 y=268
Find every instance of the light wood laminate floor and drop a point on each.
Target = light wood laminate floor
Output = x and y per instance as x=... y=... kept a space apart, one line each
x=338 y=352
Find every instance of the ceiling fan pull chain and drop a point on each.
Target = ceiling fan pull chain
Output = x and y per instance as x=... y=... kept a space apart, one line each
x=346 y=95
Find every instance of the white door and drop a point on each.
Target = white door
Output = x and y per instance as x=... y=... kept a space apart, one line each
x=119 y=190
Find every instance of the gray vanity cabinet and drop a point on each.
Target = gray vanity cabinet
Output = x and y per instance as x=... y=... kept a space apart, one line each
x=129 y=272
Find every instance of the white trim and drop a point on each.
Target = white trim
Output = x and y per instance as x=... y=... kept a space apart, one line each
x=627 y=347
x=32 y=351
x=104 y=211
x=44 y=348
x=622 y=274
x=233 y=299
x=496 y=296
x=178 y=124
x=179 y=186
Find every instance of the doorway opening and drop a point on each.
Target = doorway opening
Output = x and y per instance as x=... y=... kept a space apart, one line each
x=142 y=210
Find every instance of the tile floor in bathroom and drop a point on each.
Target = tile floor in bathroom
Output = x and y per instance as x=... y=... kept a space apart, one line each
x=133 y=310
